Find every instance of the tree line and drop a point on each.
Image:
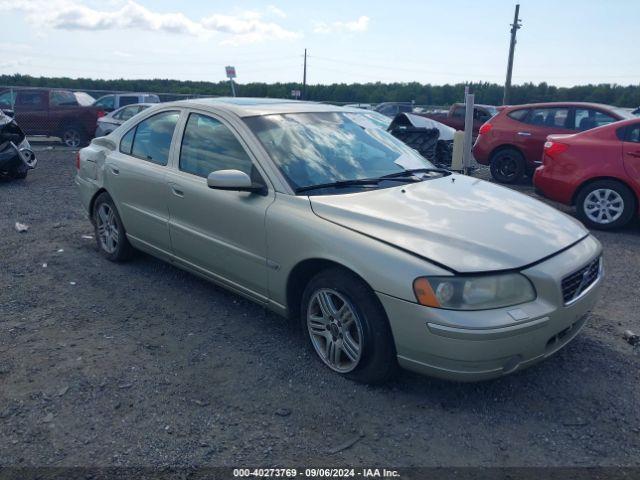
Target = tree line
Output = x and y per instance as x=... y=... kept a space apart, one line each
x=421 y=94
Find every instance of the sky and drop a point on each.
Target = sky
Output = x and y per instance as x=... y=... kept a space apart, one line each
x=562 y=42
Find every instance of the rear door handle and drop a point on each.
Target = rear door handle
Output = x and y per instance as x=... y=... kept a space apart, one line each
x=115 y=170
x=634 y=154
x=525 y=134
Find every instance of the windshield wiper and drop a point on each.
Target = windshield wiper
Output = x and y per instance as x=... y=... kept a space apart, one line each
x=340 y=184
x=411 y=172
x=362 y=182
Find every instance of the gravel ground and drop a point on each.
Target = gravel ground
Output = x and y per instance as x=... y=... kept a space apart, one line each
x=142 y=364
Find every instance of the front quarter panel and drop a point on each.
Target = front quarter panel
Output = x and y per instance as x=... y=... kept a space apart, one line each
x=296 y=234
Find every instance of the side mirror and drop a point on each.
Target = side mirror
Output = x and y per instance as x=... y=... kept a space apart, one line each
x=233 y=180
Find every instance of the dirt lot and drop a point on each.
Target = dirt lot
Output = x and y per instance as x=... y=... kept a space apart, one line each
x=143 y=364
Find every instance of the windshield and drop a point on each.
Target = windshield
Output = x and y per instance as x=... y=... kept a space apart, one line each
x=321 y=148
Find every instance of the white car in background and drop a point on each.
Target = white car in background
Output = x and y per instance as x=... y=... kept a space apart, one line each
x=113 y=120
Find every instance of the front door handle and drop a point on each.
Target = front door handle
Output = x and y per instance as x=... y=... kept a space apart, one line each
x=115 y=170
x=524 y=134
x=634 y=154
x=177 y=191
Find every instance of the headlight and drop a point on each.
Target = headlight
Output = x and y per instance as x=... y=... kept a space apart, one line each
x=475 y=292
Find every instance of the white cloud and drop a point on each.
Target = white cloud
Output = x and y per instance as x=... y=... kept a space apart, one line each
x=276 y=11
x=246 y=27
x=121 y=54
x=355 y=26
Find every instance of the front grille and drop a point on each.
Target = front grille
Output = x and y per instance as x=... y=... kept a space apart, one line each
x=576 y=283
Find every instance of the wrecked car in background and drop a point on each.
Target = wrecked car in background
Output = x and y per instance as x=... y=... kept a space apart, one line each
x=16 y=156
x=432 y=139
x=455 y=116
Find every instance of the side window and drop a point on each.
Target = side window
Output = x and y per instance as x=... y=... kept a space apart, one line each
x=481 y=115
x=519 y=115
x=127 y=141
x=549 y=117
x=630 y=133
x=208 y=145
x=107 y=102
x=587 y=118
x=459 y=112
x=30 y=99
x=62 y=98
x=128 y=100
x=152 y=138
x=7 y=98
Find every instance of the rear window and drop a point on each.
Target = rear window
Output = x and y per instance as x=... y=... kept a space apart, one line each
x=549 y=117
x=152 y=139
x=128 y=100
x=518 y=114
x=62 y=98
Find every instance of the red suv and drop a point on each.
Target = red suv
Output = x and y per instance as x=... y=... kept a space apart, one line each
x=52 y=112
x=511 y=142
x=597 y=171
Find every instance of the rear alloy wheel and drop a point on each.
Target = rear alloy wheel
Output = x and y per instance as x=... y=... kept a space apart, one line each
x=605 y=204
x=73 y=136
x=507 y=165
x=347 y=327
x=110 y=234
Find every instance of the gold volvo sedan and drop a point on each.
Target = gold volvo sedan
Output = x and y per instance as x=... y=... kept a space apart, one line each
x=320 y=215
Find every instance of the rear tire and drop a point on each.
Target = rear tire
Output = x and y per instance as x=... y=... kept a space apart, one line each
x=73 y=136
x=508 y=165
x=110 y=234
x=605 y=204
x=353 y=324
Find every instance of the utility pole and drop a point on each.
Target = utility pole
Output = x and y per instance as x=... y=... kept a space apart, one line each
x=304 y=77
x=515 y=26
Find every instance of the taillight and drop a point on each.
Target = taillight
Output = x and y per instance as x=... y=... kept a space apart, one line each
x=554 y=148
x=78 y=161
x=485 y=128
x=101 y=113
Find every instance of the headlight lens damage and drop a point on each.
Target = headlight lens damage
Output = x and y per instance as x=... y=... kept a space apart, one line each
x=474 y=292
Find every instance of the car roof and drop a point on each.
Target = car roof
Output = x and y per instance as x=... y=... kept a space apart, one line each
x=253 y=107
x=559 y=104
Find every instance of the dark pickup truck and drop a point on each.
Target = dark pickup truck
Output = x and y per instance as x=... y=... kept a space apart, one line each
x=52 y=112
x=455 y=116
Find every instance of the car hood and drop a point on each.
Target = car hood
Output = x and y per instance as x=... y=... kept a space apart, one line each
x=462 y=223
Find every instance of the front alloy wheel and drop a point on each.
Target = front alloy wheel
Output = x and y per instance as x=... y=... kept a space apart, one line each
x=335 y=330
x=347 y=327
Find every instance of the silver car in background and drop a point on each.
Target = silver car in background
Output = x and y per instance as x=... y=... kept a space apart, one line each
x=318 y=214
x=112 y=120
x=113 y=101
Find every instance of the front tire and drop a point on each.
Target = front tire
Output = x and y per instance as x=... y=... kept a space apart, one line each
x=347 y=327
x=109 y=230
x=605 y=204
x=507 y=165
